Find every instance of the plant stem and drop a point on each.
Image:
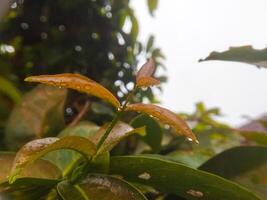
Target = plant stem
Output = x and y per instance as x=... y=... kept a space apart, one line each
x=115 y=119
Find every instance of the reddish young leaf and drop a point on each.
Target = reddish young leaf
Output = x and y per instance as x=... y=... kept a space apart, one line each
x=165 y=116
x=77 y=82
x=144 y=76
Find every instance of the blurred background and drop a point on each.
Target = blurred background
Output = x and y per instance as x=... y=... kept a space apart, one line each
x=188 y=30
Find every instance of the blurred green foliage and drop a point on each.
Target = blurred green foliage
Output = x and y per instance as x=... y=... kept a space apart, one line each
x=98 y=39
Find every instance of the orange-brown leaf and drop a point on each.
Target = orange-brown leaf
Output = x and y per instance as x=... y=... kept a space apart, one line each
x=77 y=82
x=147 y=81
x=144 y=76
x=165 y=116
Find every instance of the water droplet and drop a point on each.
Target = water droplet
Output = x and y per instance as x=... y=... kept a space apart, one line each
x=87 y=87
x=24 y=25
x=189 y=139
x=145 y=176
x=195 y=193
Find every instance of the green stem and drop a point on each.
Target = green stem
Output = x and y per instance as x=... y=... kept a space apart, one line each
x=82 y=169
x=116 y=119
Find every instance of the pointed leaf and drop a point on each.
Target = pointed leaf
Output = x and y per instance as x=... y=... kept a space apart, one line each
x=99 y=187
x=119 y=132
x=171 y=177
x=165 y=116
x=40 y=171
x=77 y=82
x=245 y=54
x=144 y=75
x=40 y=113
x=37 y=148
x=64 y=158
x=153 y=131
x=245 y=165
x=152 y=6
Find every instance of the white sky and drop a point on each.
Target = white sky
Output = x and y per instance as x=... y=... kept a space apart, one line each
x=187 y=30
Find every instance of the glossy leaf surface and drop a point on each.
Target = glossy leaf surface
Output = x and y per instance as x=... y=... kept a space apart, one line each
x=63 y=158
x=165 y=116
x=245 y=54
x=77 y=82
x=244 y=165
x=37 y=148
x=144 y=75
x=153 y=130
x=99 y=187
x=41 y=169
x=178 y=179
x=119 y=132
x=40 y=113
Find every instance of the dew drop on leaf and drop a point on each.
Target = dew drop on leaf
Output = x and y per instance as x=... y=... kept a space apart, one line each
x=195 y=193
x=145 y=176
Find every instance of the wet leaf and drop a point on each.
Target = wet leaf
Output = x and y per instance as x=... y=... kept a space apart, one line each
x=170 y=177
x=77 y=82
x=119 y=132
x=37 y=148
x=165 y=116
x=144 y=75
x=42 y=170
x=99 y=187
x=153 y=130
x=7 y=88
x=40 y=113
x=64 y=158
x=245 y=165
x=245 y=54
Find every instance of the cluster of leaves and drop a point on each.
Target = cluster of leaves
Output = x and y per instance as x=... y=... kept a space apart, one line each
x=139 y=158
x=93 y=38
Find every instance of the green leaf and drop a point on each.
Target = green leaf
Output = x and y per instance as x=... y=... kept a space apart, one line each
x=63 y=158
x=245 y=165
x=119 y=132
x=153 y=135
x=245 y=54
x=37 y=148
x=191 y=158
x=150 y=43
x=42 y=170
x=40 y=113
x=171 y=177
x=135 y=25
x=99 y=187
x=8 y=88
x=152 y=6
x=34 y=181
x=257 y=137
